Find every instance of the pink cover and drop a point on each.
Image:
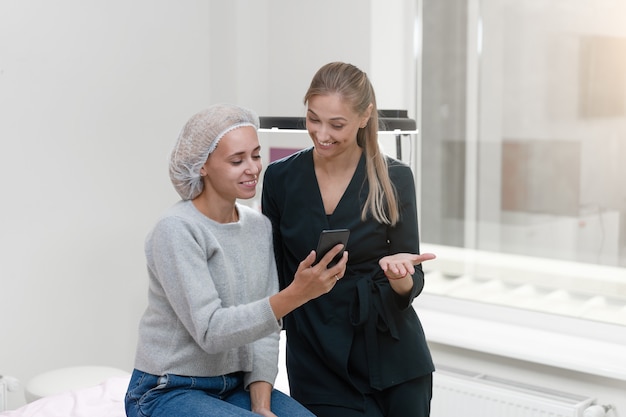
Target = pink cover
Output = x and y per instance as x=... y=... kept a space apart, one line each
x=104 y=400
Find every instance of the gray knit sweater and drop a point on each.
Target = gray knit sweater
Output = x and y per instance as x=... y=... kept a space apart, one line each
x=208 y=308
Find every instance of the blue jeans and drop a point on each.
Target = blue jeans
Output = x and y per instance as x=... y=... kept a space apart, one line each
x=174 y=395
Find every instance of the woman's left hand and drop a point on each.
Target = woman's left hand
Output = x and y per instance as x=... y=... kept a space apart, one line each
x=400 y=265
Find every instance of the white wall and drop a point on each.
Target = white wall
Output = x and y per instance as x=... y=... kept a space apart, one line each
x=92 y=96
x=269 y=52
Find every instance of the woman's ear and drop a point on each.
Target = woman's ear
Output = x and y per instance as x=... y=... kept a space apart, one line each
x=366 y=115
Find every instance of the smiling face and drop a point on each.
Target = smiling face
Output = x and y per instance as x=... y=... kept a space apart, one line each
x=233 y=169
x=332 y=124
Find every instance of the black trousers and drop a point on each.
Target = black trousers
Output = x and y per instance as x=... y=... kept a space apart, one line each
x=409 y=399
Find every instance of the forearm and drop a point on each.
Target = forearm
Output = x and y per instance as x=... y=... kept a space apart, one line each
x=260 y=396
x=286 y=301
x=402 y=286
x=309 y=282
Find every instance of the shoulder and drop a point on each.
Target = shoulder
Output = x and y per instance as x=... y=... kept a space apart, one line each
x=179 y=213
x=251 y=215
x=178 y=223
x=398 y=170
x=396 y=163
x=183 y=212
x=253 y=218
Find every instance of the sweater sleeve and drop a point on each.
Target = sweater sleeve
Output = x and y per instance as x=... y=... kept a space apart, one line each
x=265 y=350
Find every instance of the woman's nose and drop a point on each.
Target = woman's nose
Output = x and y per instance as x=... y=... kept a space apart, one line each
x=322 y=133
x=253 y=168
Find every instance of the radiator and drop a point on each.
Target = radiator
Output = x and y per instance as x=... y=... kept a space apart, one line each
x=457 y=393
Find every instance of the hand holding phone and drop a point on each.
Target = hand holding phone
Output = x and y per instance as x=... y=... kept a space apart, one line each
x=328 y=240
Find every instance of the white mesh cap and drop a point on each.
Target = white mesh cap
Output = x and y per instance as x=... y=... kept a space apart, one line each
x=198 y=139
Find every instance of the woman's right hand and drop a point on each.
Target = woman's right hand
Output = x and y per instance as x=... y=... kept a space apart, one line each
x=310 y=281
x=318 y=279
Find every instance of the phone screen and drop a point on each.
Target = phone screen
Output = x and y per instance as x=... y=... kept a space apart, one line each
x=328 y=239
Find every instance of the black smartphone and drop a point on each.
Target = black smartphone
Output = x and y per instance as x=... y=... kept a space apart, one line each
x=328 y=239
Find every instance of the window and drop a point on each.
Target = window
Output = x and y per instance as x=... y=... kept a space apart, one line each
x=523 y=130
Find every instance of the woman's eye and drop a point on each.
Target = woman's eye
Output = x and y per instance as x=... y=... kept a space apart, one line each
x=256 y=156
x=337 y=127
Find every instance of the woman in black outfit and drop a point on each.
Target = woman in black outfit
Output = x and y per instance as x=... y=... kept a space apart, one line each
x=360 y=349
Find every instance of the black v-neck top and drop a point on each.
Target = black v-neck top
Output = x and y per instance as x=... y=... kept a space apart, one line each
x=361 y=336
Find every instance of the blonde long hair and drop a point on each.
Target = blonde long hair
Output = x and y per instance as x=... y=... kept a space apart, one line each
x=355 y=88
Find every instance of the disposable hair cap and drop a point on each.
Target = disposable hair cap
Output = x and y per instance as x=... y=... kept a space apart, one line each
x=198 y=139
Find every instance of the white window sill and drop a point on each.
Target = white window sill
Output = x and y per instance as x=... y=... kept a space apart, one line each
x=586 y=346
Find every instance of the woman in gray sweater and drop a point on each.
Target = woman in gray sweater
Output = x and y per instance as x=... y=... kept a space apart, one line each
x=208 y=340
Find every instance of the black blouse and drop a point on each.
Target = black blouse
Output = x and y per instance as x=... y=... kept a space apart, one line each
x=362 y=335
